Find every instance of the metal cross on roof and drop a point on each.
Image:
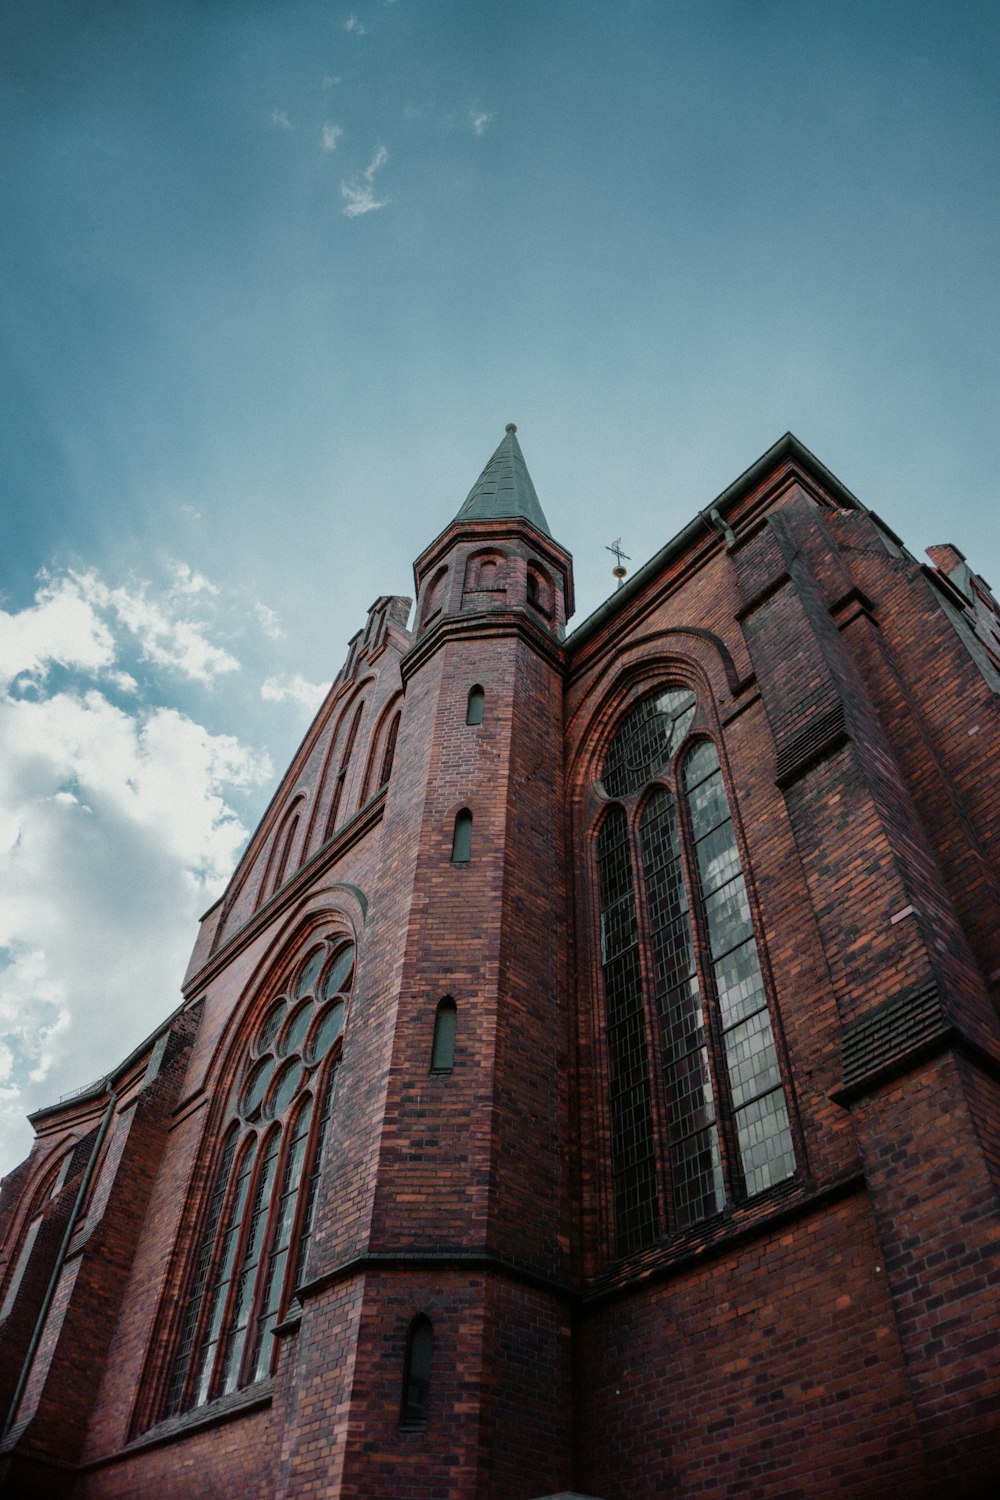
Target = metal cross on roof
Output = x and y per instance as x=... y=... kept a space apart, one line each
x=618 y=571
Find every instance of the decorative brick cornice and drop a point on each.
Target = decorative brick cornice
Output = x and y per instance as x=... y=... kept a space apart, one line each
x=486 y=625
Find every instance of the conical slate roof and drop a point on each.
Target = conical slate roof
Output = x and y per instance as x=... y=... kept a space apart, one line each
x=504 y=488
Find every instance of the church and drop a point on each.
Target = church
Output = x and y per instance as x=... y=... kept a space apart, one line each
x=589 y=1081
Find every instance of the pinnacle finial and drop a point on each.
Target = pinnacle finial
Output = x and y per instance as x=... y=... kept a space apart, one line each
x=511 y=427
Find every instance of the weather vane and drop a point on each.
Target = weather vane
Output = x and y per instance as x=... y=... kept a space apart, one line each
x=620 y=557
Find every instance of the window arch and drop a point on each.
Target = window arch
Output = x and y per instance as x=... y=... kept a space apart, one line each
x=676 y=927
x=461 y=843
x=259 y=1220
x=539 y=589
x=434 y=597
x=417 y=1372
x=443 y=1046
x=476 y=705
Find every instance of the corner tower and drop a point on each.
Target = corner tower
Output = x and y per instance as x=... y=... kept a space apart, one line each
x=470 y=1201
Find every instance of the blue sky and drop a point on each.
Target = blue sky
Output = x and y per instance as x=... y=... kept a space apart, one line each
x=275 y=277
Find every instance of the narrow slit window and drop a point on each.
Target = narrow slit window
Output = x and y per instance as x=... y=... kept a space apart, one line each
x=417 y=1372
x=443 y=1050
x=477 y=703
x=461 y=844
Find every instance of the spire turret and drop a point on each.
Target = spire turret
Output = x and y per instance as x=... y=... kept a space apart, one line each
x=504 y=488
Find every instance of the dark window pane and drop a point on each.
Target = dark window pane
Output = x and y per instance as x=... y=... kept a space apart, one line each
x=696 y=1177
x=443 y=1048
x=417 y=1372
x=476 y=704
x=461 y=846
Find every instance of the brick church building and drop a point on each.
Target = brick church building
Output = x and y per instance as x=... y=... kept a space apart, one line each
x=588 y=1081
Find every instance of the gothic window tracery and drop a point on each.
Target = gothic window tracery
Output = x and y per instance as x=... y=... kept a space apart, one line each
x=259 y=1217
x=677 y=930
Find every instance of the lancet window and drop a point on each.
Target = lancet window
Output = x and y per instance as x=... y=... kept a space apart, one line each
x=259 y=1217
x=686 y=1003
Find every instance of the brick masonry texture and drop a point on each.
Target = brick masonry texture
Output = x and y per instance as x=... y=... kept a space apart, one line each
x=834 y=1335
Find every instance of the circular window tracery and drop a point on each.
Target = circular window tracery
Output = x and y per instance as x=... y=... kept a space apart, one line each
x=645 y=743
x=303 y=1009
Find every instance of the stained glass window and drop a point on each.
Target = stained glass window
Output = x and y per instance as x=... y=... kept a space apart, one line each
x=674 y=908
x=258 y=1221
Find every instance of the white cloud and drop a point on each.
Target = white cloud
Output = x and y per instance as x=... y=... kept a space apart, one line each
x=359 y=195
x=354 y=25
x=61 y=627
x=268 y=620
x=116 y=831
x=330 y=80
x=167 y=633
x=331 y=135
x=480 y=119
x=280 y=119
x=296 y=689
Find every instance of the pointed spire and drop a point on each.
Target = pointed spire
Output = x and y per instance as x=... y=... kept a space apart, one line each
x=504 y=488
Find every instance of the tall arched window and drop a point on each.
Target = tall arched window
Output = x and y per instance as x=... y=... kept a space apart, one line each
x=345 y=761
x=676 y=926
x=390 y=750
x=476 y=705
x=283 y=848
x=443 y=1047
x=461 y=843
x=417 y=1372
x=258 y=1221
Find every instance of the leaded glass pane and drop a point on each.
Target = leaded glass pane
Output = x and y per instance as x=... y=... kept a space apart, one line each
x=696 y=1173
x=765 y=1142
x=727 y=912
x=751 y=1058
x=739 y=983
x=633 y=1161
x=699 y=763
x=707 y=801
x=718 y=858
x=696 y=1177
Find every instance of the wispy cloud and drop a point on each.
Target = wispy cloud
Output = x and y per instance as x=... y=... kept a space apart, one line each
x=268 y=620
x=330 y=79
x=331 y=135
x=354 y=25
x=280 y=119
x=480 y=119
x=294 y=689
x=359 y=195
